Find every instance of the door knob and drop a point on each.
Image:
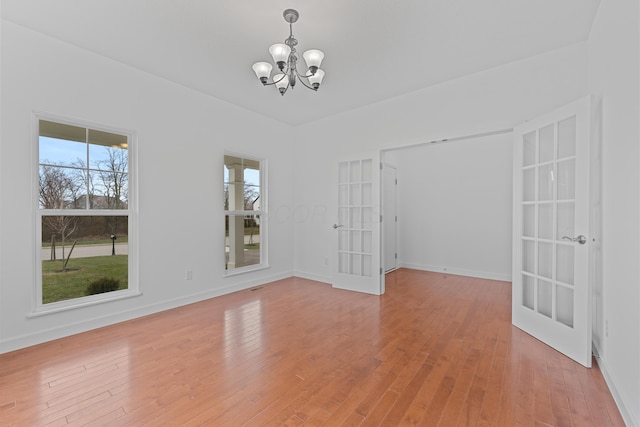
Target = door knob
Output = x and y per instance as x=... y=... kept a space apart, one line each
x=580 y=239
x=337 y=226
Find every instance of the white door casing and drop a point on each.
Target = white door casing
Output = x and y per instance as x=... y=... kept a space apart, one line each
x=389 y=217
x=551 y=236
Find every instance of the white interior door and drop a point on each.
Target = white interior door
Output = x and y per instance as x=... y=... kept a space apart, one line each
x=389 y=217
x=551 y=241
x=357 y=230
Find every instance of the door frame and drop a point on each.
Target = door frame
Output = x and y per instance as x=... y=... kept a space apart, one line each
x=385 y=199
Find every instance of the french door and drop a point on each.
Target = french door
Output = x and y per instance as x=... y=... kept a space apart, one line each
x=551 y=239
x=357 y=264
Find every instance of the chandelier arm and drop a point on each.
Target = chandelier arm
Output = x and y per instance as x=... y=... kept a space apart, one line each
x=274 y=82
x=301 y=80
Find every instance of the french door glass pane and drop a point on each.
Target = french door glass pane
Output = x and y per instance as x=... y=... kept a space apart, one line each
x=367 y=194
x=529 y=220
x=545 y=221
x=343 y=216
x=528 y=292
x=545 y=182
x=529 y=185
x=546 y=144
x=367 y=217
x=367 y=170
x=354 y=195
x=355 y=220
x=566 y=179
x=566 y=215
x=567 y=137
x=545 y=295
x=356 y=241
x=545 y=259
x=355 y=175
x=356 y=265
x=564 y=305
x=564 y=263
x=367 y=242
x=528 y=256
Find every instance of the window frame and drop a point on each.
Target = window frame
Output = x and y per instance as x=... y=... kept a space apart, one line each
x=131 y=212
x=263 y=213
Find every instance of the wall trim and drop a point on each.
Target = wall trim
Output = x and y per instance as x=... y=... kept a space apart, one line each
x=456 y=271
x=312 y=276
x=627 y=415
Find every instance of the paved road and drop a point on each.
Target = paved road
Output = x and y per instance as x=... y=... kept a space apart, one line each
x=86 y=251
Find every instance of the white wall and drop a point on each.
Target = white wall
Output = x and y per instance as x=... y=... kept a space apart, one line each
x=492 y=100
x=181 y=139
x=614 y=75
x=455 y=207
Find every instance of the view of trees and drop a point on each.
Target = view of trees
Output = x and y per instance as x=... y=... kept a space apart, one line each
x=250 y=195
x=102 y=186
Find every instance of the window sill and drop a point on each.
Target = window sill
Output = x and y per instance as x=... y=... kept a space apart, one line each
x=247 y=269
x=55 y=308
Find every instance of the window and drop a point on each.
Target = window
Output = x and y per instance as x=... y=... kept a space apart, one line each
x=84 y=214
x=245 y=213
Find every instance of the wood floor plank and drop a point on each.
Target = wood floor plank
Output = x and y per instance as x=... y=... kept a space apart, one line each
x=436 y=348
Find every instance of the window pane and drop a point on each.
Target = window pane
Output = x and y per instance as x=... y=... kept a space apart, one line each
x=61 y=188
x=95 y=173
x=109 y=190
x=62 y=152
x=78 y=251
x=61 y=144
x=242 y=187
x=107 y=139
x=242 y=241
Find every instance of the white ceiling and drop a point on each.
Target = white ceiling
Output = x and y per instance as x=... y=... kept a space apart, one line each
x=374 y=49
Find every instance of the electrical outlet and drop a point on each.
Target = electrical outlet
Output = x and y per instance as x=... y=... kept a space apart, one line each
x=326 y=260
x=188 y=275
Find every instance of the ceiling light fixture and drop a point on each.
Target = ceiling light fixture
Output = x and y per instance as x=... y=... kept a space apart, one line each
x=284 y=55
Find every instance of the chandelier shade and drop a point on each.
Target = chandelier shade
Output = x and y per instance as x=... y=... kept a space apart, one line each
x=285 y=57
x=313 y=58
x=280 y=53
x=262 y=70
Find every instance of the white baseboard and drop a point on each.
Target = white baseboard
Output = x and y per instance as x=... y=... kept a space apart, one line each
x=629 y=419
x=58 y=331
x=457 y=271
x=312 y=276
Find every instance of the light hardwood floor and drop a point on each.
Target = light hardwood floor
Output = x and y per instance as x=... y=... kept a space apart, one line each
x=435 y=350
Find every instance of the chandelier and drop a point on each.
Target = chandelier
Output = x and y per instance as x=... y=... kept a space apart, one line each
x=286 y=58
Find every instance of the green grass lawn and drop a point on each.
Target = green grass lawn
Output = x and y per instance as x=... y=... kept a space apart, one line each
x=60 y=285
